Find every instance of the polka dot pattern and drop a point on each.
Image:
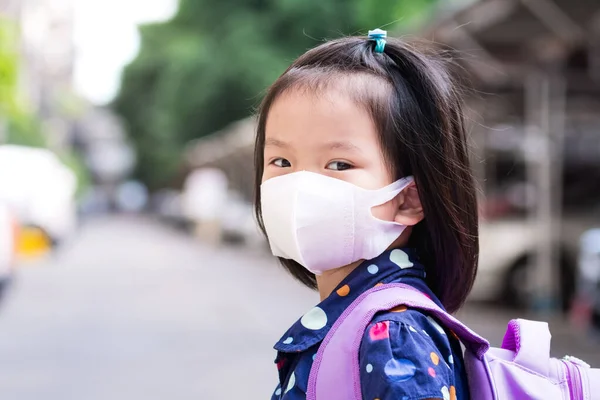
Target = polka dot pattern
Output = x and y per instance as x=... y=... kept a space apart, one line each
x=398 y=350
x=401 y=259
x=445 y=393
x=280 y=363
x=343 y=291
x=373 y=269
x=315 y=319
x=380 y=331
x=400 y=370
x=291 y=382
x=401 y=308
x=436 y=325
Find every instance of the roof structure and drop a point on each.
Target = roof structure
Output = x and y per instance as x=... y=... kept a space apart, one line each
x=505 y=39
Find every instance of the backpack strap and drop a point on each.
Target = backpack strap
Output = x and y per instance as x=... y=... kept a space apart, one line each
x=530 y=342
x=335 y=372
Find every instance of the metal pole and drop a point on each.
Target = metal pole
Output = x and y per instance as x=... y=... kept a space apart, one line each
x=557 y=122
x=538 y=160
x=594 y=50
x=545 y=115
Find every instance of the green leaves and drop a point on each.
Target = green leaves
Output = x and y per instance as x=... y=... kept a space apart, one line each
x=210 y=65
x=9 y=68
x=19 y=125
x=392 y=15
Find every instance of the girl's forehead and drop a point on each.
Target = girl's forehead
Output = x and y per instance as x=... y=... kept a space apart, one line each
x=303 y=116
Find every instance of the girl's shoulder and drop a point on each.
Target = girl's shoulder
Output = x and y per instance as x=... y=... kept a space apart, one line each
x=413 y=320
x=410 y=354
x=404 y=327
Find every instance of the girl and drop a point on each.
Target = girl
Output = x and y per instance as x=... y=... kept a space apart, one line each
x=363 y=177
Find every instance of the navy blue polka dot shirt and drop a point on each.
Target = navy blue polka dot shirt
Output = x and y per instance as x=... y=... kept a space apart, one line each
x=405 y=354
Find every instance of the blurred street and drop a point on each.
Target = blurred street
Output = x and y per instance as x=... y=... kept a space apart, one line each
x=132 y=310
x=135 y=310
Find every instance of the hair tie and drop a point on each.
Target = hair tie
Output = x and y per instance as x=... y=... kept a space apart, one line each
x=378 y=36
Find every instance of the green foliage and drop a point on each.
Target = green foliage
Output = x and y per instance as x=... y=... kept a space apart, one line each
x=24 y=128
x=9 y=68
x=210 y=64
x=18 y=123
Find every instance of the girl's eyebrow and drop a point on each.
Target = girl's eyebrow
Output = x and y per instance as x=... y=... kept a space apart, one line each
x=343 y=146
x=275 y=143
x=340 y=145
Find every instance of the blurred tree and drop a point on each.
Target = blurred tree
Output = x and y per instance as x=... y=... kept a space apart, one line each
x=19 y=125
x=209 y=65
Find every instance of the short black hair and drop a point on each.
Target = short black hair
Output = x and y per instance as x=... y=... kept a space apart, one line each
x=422 y=132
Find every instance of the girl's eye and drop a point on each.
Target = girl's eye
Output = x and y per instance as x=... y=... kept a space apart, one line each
x=339 y=166
x=281 y=163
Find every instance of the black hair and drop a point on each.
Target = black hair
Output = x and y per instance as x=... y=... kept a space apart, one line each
x=422 y=133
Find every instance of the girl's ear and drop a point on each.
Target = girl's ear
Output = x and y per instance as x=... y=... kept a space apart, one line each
x=410 y=210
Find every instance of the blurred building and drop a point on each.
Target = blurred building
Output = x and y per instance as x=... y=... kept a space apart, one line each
x=99 y=137
x=47 y=53
x=230 y=150
x=537 y=133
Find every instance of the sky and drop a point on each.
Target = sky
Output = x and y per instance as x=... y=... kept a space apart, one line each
x=106 y=39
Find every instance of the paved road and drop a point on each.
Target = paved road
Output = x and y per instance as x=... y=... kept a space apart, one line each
x=135 y=311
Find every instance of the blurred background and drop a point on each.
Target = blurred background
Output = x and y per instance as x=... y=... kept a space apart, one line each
x=130 y=263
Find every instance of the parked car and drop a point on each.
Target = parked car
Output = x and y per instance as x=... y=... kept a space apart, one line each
x=585 y=312
x=238 y=223
x=8 y=237
x=507 y=248
x=166 y=204
x=39 y=190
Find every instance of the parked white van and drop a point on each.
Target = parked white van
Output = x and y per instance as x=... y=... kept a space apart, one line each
x=39 y=189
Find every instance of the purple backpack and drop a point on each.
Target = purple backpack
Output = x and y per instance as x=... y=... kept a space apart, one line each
x=521 y=369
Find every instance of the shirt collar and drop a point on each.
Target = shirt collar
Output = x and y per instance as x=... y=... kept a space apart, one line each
x=391 y=266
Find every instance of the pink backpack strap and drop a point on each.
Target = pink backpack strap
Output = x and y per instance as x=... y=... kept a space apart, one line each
x=335 y=372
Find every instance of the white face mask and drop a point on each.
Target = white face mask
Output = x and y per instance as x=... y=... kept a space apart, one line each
x=325 y=223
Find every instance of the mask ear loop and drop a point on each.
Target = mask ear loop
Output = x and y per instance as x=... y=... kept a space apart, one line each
x=387 y=193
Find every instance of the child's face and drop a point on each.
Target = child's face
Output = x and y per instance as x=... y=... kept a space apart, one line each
x=326 y=133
